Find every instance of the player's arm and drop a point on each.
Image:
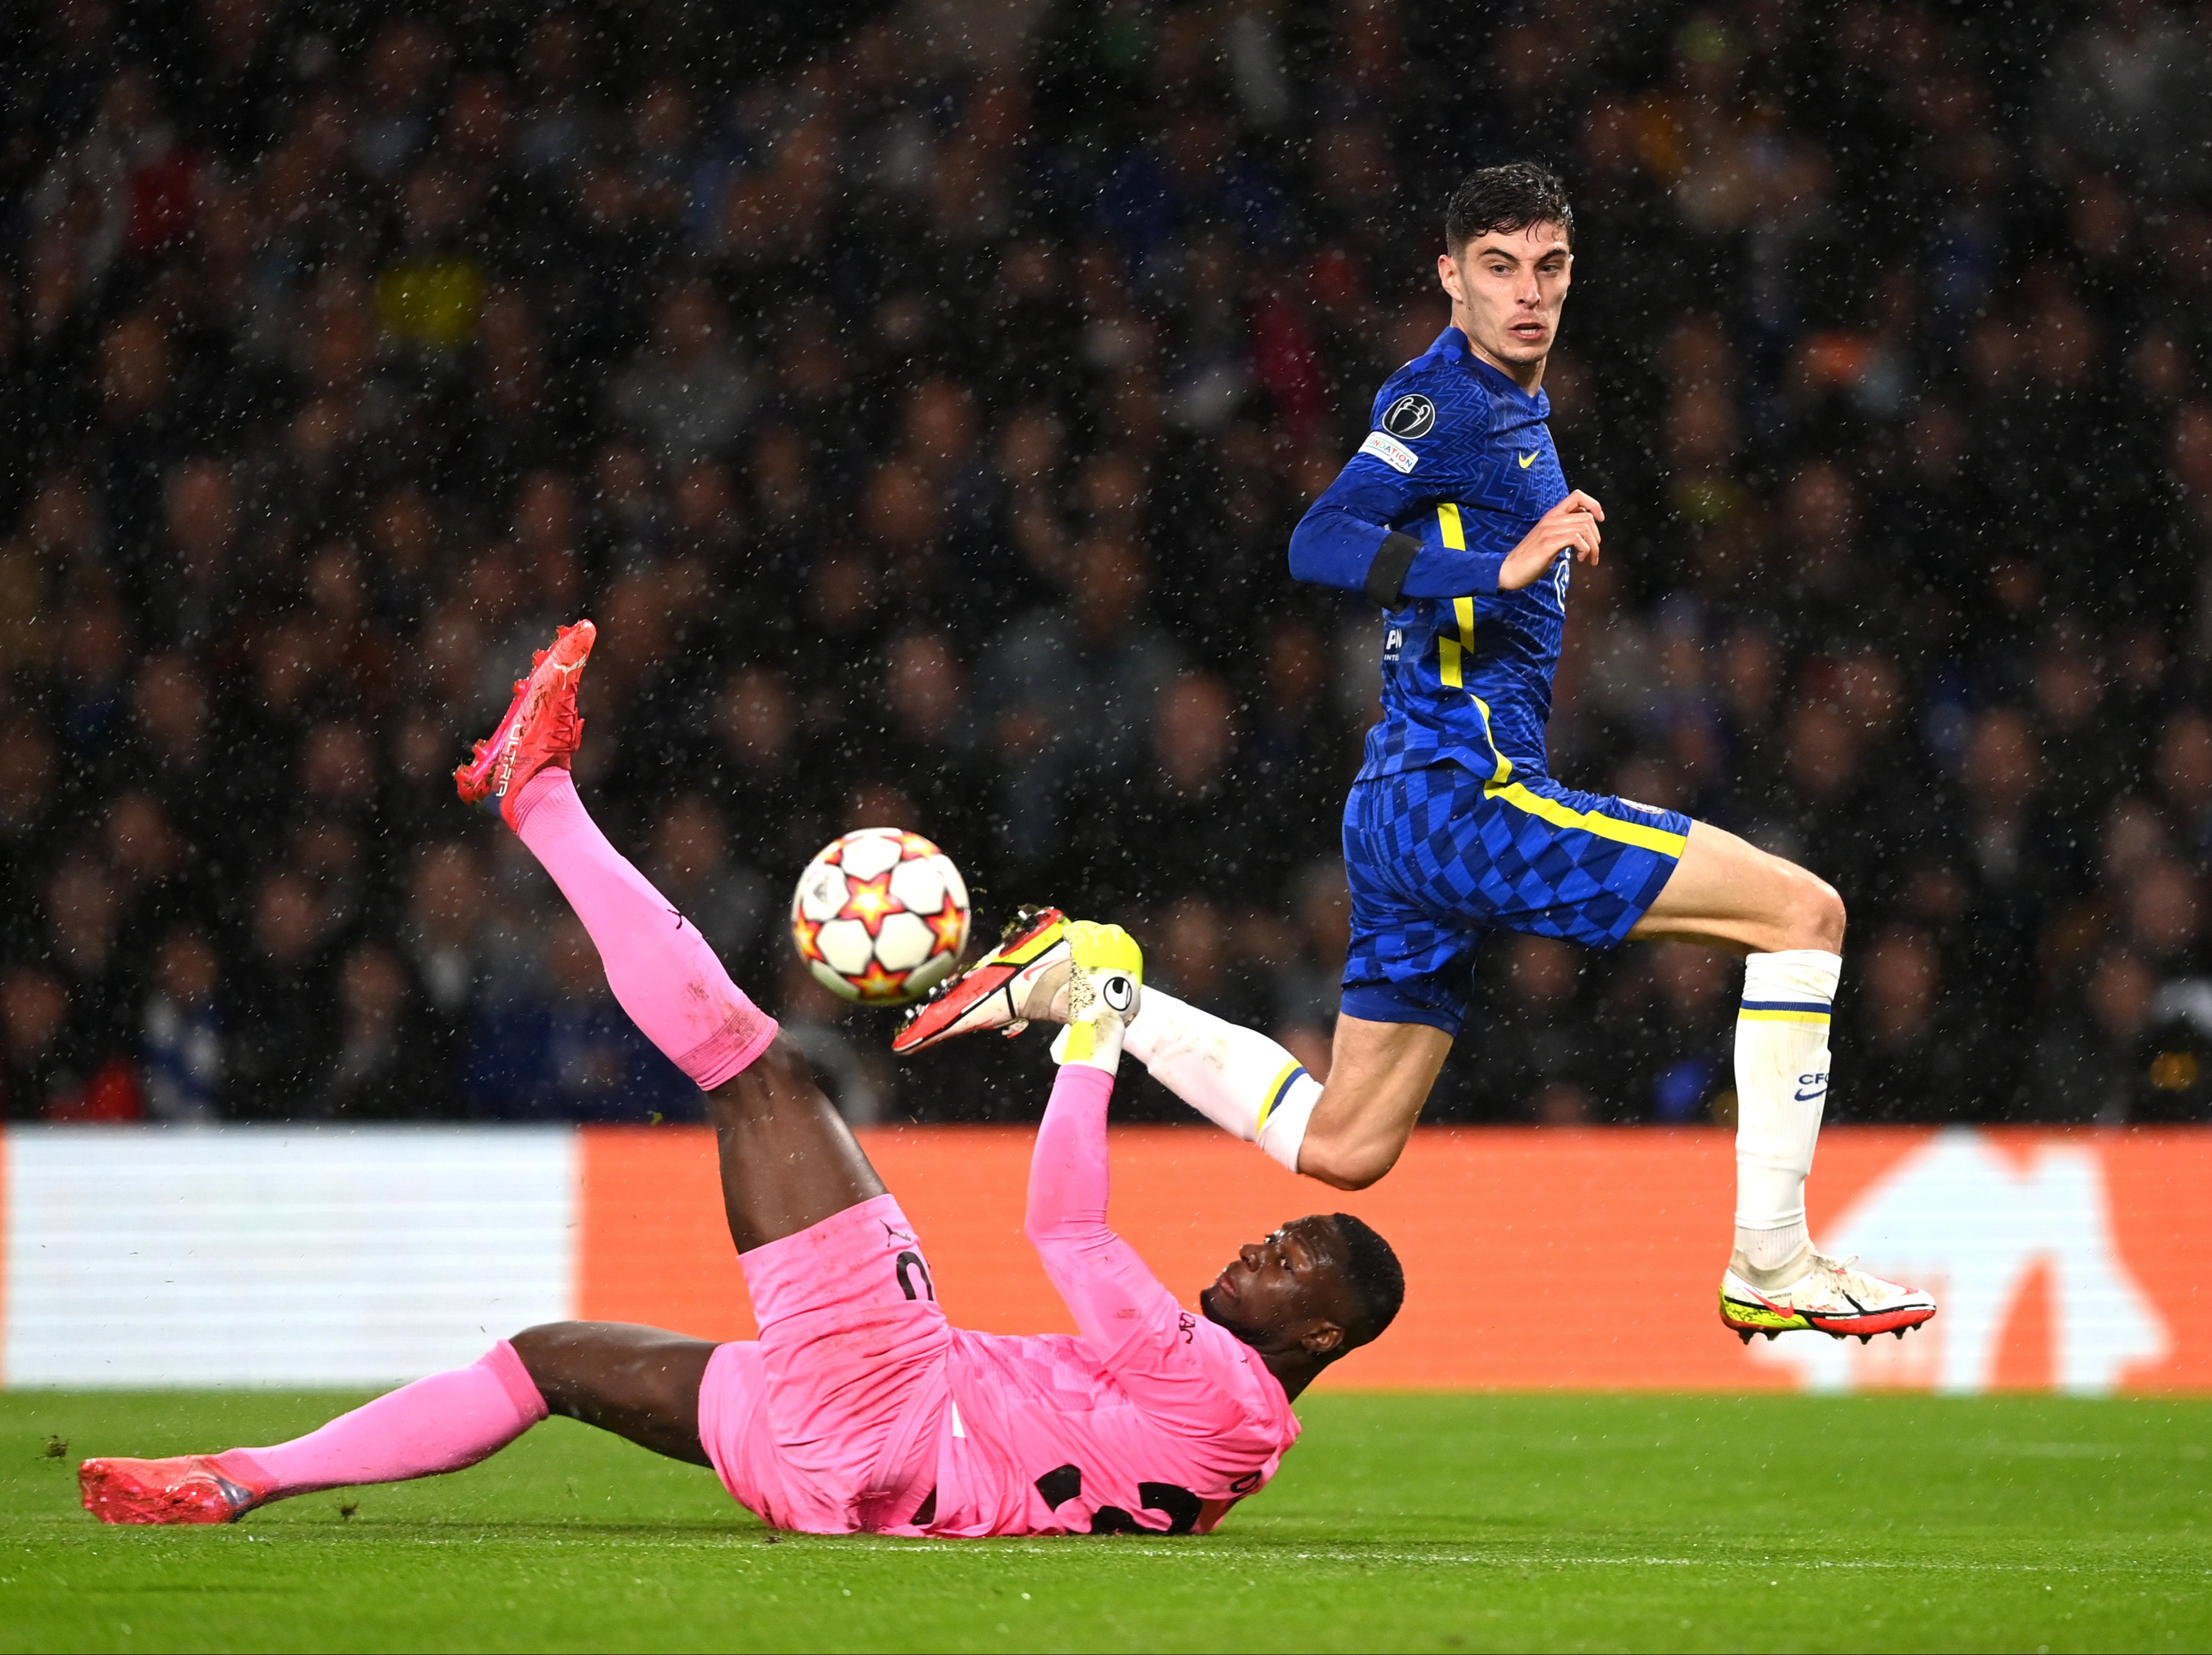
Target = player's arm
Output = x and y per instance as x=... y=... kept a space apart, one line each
x=1345 y=540
x=1130 y=1319
x=1571 y=527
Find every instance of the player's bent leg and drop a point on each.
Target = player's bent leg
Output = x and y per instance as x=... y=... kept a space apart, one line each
x=1379 y=1076
x=1405 y=980
x=789 y=1160
x=1347 y=1133
x=639 y=1383
x=1727 y=893
x=1789 y=925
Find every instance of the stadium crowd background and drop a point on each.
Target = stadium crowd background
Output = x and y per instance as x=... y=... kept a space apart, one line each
x=923 y=414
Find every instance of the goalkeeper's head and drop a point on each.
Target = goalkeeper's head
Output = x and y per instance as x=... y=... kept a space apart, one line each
x=1317 y=1288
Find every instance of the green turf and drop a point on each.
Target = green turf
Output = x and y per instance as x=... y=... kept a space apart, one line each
x=1401 y=1522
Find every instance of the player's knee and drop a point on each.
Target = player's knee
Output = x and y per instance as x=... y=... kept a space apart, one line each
x=539 y=1339
x=542 y=1349
x=1816 y=915
x=1344 y=1166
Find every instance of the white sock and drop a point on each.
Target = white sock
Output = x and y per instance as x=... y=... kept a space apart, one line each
x=1781 y=1087
x=1239 y=1079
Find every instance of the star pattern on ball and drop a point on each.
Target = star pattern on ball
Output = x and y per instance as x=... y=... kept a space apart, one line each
x=869 y=901
x=876 y=983
x=807 y=935
x=947 y=926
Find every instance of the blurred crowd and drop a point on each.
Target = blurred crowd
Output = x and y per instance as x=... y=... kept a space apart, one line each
x=922 y=411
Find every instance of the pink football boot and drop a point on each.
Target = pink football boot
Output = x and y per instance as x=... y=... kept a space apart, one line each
x=541 y=726
x=189 y=1488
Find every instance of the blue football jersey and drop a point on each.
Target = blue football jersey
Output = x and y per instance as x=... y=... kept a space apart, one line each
x=1461 y=459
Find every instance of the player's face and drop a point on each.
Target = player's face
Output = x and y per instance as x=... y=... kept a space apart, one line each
x=1506 y=291
x=1282 y=1291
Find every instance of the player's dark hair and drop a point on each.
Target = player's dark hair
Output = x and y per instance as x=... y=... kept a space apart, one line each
x=1509 y=198
x=1377 y=1281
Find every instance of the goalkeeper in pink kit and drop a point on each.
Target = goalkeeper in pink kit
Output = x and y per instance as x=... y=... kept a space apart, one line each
x=858 y=1408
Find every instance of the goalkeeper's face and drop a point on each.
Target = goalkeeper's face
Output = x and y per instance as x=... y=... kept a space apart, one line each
x=1288 y=1293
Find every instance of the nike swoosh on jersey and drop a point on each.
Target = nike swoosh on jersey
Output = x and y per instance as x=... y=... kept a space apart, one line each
x=1527 y=460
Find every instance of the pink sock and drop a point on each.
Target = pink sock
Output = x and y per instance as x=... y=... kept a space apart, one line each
x=442 y=1423
x=659 y=966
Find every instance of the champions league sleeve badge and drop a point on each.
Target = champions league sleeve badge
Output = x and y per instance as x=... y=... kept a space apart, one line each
x=1409 y=418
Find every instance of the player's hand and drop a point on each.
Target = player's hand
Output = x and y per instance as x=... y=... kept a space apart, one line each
x=1571 y=526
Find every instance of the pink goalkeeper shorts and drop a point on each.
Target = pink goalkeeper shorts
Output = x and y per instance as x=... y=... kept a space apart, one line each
x=828 y=1423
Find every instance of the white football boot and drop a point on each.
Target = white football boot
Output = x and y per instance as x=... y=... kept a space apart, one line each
x=1829 y=1296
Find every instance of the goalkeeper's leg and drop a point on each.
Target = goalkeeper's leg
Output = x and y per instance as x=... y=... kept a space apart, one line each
x=658 y=964
x=639 y=1383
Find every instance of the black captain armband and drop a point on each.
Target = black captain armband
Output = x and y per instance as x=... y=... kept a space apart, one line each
x=1386 y=576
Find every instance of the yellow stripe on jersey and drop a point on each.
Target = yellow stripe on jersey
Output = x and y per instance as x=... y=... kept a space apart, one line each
x=1451 y=653
x=1502 y=786
x=1504 y=772
x=1588 y=821
x=1448 y=522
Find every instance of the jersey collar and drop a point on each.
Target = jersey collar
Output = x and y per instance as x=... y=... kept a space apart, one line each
x=1453 y=343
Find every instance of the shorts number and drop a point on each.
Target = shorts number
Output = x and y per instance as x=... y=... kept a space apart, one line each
x=912 y=1262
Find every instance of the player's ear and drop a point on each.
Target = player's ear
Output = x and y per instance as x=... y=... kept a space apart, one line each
x=1322 y=1339
x=1448 y=274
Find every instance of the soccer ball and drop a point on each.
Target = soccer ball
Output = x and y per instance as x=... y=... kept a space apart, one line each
x=880 y=916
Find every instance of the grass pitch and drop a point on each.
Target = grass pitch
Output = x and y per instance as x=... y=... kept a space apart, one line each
x=1400 y=1521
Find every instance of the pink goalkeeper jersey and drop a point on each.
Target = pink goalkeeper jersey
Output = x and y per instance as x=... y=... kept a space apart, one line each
x=1152 y=1418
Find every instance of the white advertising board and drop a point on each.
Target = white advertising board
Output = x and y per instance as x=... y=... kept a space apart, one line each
x=268 y=1255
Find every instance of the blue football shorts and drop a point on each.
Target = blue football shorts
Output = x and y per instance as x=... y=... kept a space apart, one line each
x=1437 y=859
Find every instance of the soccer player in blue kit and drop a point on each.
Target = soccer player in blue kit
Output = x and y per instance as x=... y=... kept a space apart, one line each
x=1455 y=519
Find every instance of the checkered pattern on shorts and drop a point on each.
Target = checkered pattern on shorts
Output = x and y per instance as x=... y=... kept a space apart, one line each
x=1435 y=864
